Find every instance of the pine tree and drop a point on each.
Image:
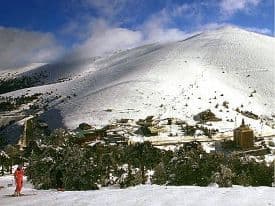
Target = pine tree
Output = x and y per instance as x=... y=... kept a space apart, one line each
x=143 y=156
x=160 y=176
x=224 y=177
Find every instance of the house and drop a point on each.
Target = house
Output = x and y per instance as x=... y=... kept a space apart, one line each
x=244 y=136
x=87 y=136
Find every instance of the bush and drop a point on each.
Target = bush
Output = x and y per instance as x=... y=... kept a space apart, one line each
x=131 y=177
x=85 y=126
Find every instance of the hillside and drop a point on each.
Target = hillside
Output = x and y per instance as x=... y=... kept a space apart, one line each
x=221 y=70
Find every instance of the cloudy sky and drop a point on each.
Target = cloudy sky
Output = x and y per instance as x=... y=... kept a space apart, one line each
x=46 y=30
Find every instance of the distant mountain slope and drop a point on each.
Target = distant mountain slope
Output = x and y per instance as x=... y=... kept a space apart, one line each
x=228 y=66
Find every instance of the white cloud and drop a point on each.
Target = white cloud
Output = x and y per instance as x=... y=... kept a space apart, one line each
x=19 y=47
x=155 y=29
x=229 y=7
x=106 y=7
x=105 y=38
x=180 y=10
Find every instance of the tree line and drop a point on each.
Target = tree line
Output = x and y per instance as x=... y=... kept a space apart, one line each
x=85 y=167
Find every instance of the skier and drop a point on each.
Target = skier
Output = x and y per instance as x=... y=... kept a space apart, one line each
x=18 y=177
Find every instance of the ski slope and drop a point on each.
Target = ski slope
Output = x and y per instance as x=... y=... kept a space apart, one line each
x=142 y=195
x=177 y=79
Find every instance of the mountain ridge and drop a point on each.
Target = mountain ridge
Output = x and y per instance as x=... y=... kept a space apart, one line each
x=176 y=79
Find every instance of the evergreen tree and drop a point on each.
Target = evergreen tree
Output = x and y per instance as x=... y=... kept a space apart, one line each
x=224 y=177
x=160 y=175
x=3 y=141
x=143 y=156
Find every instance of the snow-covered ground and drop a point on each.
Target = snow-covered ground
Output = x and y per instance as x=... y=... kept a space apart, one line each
x=146 y=195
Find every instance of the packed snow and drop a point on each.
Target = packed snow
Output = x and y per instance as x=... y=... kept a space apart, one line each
x=143 y=195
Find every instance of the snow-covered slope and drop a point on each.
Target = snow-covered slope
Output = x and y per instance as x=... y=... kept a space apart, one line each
x=146 y=195
x=19 y=71
x=176 y=79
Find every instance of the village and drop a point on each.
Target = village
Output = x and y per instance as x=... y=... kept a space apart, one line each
x=166 y=134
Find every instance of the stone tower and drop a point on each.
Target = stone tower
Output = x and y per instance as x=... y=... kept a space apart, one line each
x=244 y=136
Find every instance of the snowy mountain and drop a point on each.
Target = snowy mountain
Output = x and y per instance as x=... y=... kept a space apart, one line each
x=221 y=70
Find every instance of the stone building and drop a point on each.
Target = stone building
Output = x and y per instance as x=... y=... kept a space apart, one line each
x=243 y=136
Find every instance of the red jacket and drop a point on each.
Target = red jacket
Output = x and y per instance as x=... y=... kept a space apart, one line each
x=18 y=175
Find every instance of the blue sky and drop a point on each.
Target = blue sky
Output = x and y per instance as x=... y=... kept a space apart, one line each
x=56 y=27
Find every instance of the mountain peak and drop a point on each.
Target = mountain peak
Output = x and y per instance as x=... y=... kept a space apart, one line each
x=178 y=79
x=231 y=29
